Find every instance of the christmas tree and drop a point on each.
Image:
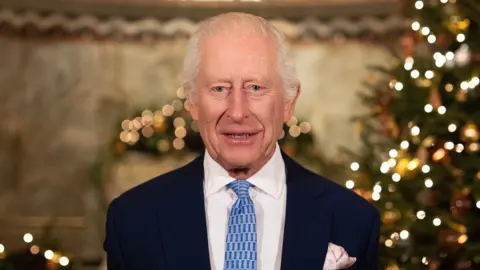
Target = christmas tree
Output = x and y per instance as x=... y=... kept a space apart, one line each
x=420 y=162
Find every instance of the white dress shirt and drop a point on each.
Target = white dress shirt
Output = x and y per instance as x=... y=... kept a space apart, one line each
x=269 y=197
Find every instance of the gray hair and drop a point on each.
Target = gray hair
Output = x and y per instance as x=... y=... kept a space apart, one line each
x=224 y=22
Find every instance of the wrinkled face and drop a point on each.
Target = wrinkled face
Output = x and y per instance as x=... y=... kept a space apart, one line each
x=238 y=100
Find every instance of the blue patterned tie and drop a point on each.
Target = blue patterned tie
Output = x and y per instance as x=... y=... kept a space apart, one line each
x=241 y=245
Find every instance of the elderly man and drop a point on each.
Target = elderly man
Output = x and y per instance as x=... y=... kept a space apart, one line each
x=244 y=204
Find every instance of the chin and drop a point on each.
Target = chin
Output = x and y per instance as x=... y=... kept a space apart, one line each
x=240 y=157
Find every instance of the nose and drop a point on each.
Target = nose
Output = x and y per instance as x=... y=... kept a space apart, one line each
x=237 y=105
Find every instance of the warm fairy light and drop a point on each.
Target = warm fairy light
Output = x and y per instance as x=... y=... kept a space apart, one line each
x=415 y=74
x=392 y=162
x=415 y=131
x=376 y=196
x=395 y=236
x=350 y=184
x=478 y=204
x=425 y=168
x=2 y=248
x=177 y=105
x=305 y=127
x=34 y=250
x=462 y=239
x=392 y=188
x=396 y=177
x=428 y=183
x=404 y=234
x=49 y=254
x=439 y=154
x=449 y=145
x=388 y=243
x=28 y=238
x=179 y=122
x=295 y=131
x=460 y=37
x=464 y=85
x=429 y=74
x=413 y=164
x=292 y=122
x=147 y=132
x=442 y=110
x=431 y=39
x=178 y=143
x=355 y=166
x=428 y=108
x=444 y=1
x=385 y=167
x=452 y=127
x=168 y=110
x=181 y=92
x=450 y=56
x=180 y=132
x=449 y=87
x=377 y=189
x=163 y=145
x=64 y=261
x=415 y=26
x=419 y=4
x=474 y=82
x=393 y=153
x=399 y=86
x=408 y=63
x=474 y=147
x=404 y=145
x=421 y=214
x=440 y=59
x=425 y=260
x=437 y=222
x=425 y=30
x=459 y=148
x=126 y=124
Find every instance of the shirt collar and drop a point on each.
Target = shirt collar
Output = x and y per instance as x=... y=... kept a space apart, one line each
x=270 y=179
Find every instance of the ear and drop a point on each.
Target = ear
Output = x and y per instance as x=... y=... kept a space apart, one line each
x=191 y=104
x=289 y=109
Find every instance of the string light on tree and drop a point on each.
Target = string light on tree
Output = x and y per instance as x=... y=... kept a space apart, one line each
x=425 y=168
x=419 y=5
x=460 y=37
x=396 y=177
x=437 y=222
x=408 y=65
x=442 y=110
x=428 y=183
x=355 y=166
x=449 y=145
x=428 y=108
x=459 y=148
x=393 y=153
x=415 y=74
x=415 y=26
x=404 y=234
x=452 y=127
x=431 y=39
x=404 y=145
x=376 y=196
x=421 y=214
x=429 y=74
x=350 y=184
x=399 y=86
x=425 y=31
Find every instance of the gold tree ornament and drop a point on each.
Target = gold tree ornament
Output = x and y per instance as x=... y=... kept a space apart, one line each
x=470 y=133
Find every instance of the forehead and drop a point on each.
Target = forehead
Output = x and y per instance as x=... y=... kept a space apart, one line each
x=239 y=53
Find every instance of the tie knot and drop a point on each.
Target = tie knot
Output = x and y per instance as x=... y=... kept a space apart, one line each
x=240 y=187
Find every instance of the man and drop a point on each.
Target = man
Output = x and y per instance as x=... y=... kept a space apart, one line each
x=244 y=204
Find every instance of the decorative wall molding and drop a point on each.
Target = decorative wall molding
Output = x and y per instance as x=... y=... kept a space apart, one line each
x=118 y=26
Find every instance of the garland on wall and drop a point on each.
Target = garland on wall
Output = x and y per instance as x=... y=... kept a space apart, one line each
x=170 y=131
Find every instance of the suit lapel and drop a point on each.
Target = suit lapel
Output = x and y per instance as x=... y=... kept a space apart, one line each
x=307 y=220
x=182 y=221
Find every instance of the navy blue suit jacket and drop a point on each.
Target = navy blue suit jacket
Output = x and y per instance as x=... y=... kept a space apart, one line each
x=161 y=224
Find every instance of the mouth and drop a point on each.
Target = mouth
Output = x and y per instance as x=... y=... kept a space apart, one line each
x=240 y=138
x=239 y=135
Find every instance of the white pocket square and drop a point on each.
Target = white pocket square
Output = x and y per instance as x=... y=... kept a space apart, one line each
x=337 y=258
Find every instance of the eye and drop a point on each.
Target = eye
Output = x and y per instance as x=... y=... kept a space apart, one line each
x=256 y=88
x=219 y=88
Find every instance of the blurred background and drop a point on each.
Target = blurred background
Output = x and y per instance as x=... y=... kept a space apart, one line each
x=91 y=105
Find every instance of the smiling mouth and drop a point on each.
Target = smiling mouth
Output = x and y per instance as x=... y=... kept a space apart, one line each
x=239 y=135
